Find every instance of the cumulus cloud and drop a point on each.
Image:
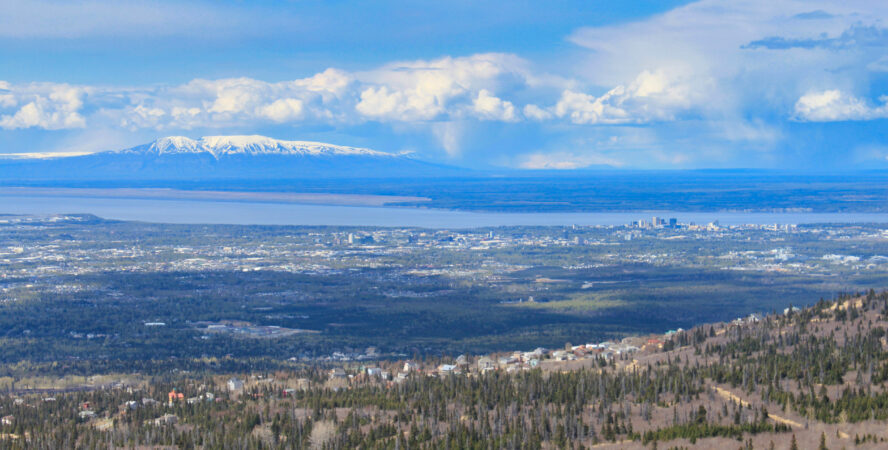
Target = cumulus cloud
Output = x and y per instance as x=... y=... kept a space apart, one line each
x=42 y=105
x=834 y=105
x=489 y=107
x=447 y=89
x=428 y=90
x=650 y=97
x=283 y=110
x=227 y=102
x=739 y=58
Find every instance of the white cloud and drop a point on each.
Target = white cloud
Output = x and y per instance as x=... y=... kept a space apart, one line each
x=429 y=90
x=534 y=112
x=383 y=103
x=585 y=109
x=283 y=110
x=43 y=105
x=442 y=90
x=490 y=107
x=331 y=82
x=834 y=105
x=565 y=161
x=732 y=58
x=238 y=101
x=652 y=96
x=449 y=135
x=7 y=100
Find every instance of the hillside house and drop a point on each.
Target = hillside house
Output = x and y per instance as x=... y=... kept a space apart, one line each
x=485 y=364
x=235 y=385
x=166 y=419
x=446 y=369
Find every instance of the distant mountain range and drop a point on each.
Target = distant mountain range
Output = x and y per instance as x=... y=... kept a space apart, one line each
x=179 y=158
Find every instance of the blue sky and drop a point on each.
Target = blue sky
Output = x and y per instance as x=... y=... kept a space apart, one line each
x=558 y=84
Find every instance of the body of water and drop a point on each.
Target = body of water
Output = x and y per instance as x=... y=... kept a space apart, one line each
x=262 y=213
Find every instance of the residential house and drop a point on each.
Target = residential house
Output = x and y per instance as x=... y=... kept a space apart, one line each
x=235 y=385
x=485 y=364
x=174 y=396
x=653 y=344
x=446 y=369
x=507 y=360
x=166 y=419
x=560 y=355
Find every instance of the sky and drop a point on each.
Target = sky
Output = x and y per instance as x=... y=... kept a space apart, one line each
x=559 y=84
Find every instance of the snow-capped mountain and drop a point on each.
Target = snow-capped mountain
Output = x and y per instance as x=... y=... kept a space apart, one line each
x=248 y=145
x=216 y=158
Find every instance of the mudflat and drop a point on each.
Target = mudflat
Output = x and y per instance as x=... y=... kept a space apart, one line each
x=215 y=195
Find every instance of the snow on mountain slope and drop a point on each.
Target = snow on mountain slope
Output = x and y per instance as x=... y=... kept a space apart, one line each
x=256 y=158
x=248 y=145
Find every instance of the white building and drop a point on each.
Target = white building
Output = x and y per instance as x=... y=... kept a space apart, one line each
x=235 y=385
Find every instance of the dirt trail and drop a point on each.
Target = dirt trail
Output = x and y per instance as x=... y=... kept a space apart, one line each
x=731 y=396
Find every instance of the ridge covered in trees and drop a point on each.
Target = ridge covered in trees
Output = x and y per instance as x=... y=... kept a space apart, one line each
x=802 y=379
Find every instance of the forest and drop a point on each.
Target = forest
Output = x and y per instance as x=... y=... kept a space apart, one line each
x=801 y=379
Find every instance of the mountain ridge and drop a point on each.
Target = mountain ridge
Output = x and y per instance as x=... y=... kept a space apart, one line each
x=236 y=157
x=247 y=144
